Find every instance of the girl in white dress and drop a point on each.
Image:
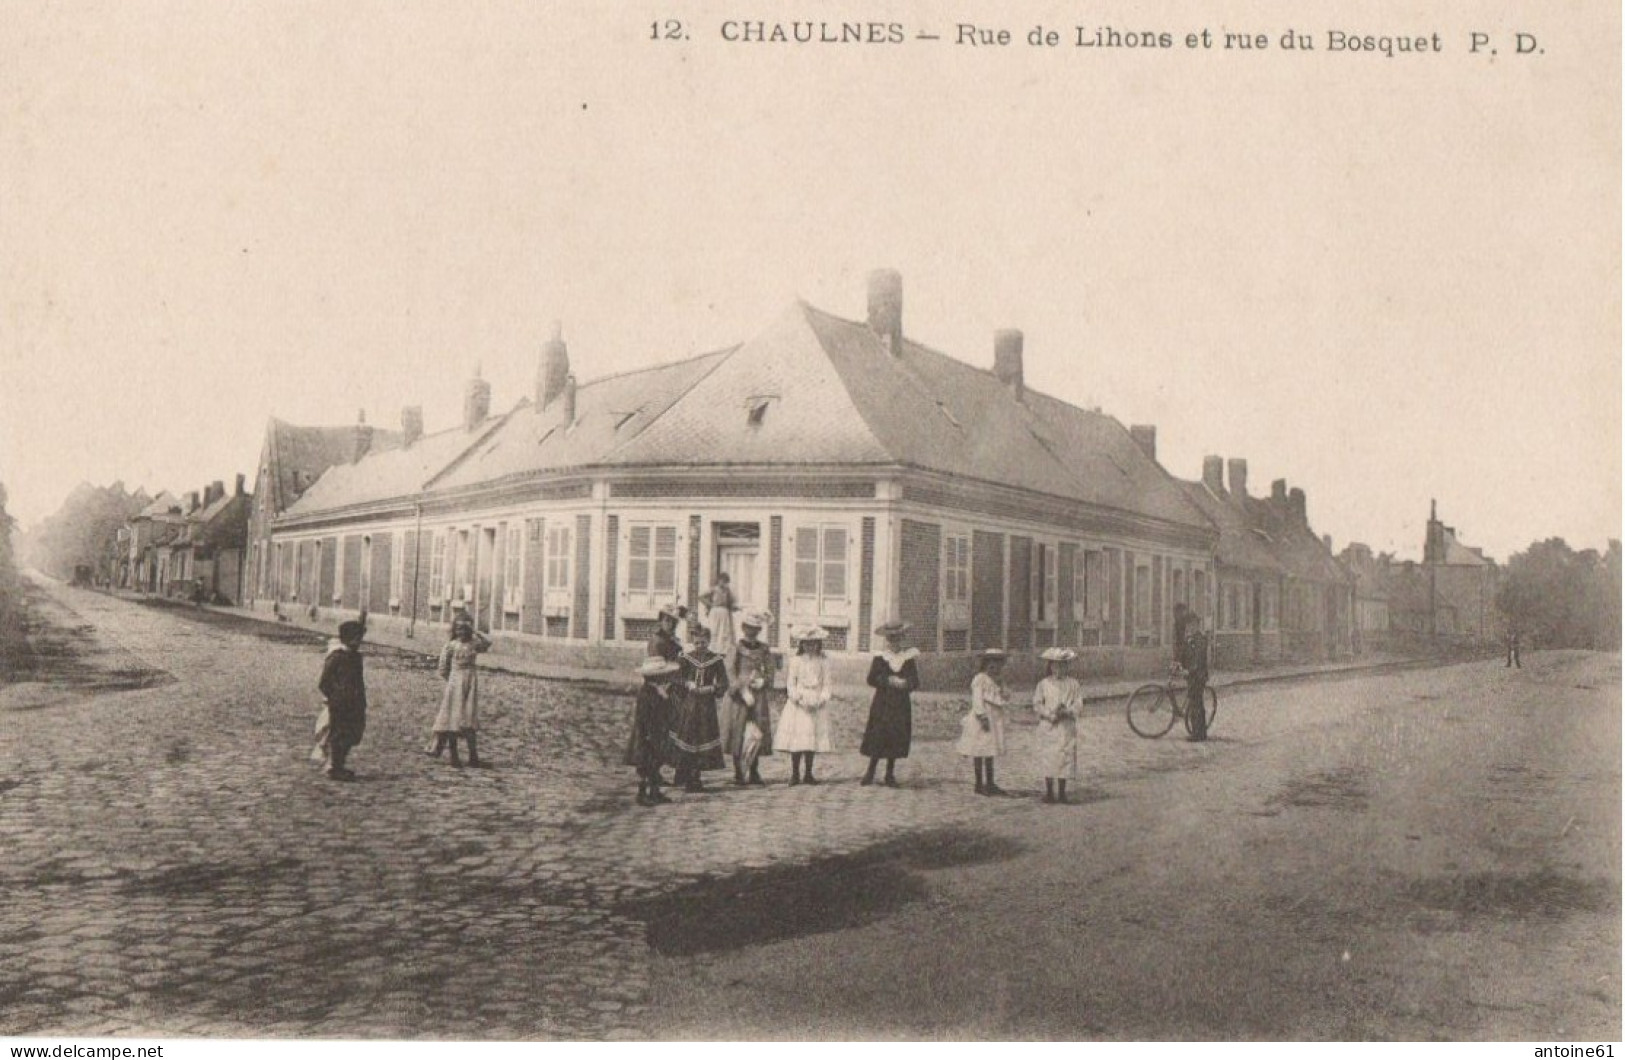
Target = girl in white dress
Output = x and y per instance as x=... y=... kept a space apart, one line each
x=981 y=734
x=1057 y=701
x=804 y=726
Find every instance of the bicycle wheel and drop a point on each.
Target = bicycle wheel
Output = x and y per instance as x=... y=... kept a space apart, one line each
x=1150 y=711
x=1212 y=699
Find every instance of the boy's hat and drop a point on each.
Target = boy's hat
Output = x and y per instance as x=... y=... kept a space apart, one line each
x=351 y=629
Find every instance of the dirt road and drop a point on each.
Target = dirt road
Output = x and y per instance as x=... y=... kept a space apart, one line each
x=1428 y=855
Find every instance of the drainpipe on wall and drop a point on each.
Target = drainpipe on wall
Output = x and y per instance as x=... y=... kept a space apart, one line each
x=417 y=573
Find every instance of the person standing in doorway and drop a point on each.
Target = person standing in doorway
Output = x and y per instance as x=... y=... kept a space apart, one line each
x=459 y=714
x=894 y=676
x=804 y=725
x=719 y=616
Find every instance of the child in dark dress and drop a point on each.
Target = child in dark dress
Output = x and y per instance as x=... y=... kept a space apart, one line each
x=646 y=748
x=344 y=687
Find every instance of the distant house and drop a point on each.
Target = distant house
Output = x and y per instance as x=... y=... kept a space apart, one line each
x=1450 y=595
x=1371 y=575
x=292 y=458
x=838 y=471
x=151 y=531
x=207 y=556
x=1281 y=593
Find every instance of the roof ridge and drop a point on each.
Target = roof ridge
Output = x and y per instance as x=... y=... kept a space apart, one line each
x=722 y=350
x=723 y=357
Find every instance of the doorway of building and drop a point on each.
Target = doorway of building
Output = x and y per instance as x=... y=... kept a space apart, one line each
x=739 y=556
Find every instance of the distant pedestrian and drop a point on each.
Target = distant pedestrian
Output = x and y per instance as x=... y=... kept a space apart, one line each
x=696 y=734
x=747 y=720
x=804 y=724
x=719 y=616
x=1057 y=701
x=981 y=734
x=1193 y=658
x=664 y=643
x=894 y=676
x=460 y=704
x=647 y=748
x=344 y=689
x=1514 y=658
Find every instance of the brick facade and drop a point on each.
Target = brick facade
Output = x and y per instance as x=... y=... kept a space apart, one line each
x=919 y=584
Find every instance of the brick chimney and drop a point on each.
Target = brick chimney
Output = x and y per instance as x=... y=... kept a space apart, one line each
x=1278 y=492
x=476 y=401
x=215 y=492
x=1326 y=539
x=554 y=368
x=1213 y=473
x=1238 y=476
x=1007 y=363
x=1145 y=436
x=363 y=437
x=886 y=308
x=241 y=479
x=411 y=424
x=1299 y=505
x=191 y=503
x=567 y=401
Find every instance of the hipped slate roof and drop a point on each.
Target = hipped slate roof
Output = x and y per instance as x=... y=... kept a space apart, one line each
x=829 y=394
x=387 y=475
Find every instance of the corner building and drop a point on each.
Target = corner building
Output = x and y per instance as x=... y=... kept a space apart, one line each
x=839 y=472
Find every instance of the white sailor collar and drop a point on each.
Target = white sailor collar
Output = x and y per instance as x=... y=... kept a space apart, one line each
x=896 y=659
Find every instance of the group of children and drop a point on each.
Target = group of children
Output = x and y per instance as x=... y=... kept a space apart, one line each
x=695 y=707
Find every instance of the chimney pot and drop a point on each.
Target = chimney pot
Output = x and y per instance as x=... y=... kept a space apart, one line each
x=241 y=479
x=554 y=368
x=1145 y=436
x=1326 y=539
x=411 y=424
x=191 y=502
x=1278 y=491
x=476 y=401
x=1213 y=473
x=1238 y=476
x=886 y=308
x=1007 y=361
x=1299 y=504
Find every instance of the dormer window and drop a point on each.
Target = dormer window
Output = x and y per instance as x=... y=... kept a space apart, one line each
x=626 y=417
x=756 y=409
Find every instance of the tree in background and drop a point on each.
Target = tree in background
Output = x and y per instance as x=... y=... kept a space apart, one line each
x=1561 y=598
x=83 y=531
x=11 y=612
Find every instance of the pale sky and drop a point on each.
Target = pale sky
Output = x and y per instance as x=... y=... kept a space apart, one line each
x=1384 y=280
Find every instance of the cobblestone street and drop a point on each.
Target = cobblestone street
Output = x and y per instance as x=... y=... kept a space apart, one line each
x=176 y=866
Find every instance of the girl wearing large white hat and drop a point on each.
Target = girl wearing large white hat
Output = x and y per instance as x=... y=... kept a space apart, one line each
x=1057 y=701
x=747 y=718
x=804 y=724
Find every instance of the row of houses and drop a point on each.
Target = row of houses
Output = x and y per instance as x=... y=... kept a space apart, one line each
x=838 y=471
x=188 y=546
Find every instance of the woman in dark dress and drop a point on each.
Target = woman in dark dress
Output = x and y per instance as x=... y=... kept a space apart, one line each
x=893 y=675
x=696 y=735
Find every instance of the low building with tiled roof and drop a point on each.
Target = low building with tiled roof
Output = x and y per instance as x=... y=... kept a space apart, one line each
x=839 y=472
x=1281 y=592
x=292 y=459
x=1450 y=595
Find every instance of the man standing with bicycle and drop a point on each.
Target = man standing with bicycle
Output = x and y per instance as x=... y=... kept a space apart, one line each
x=1193 y=658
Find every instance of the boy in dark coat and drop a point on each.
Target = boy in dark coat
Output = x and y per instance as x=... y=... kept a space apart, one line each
x=344 y=688
x=1193 y=657
x=647 y=747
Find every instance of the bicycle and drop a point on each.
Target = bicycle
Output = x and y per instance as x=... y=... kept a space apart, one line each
x=1153 y=708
